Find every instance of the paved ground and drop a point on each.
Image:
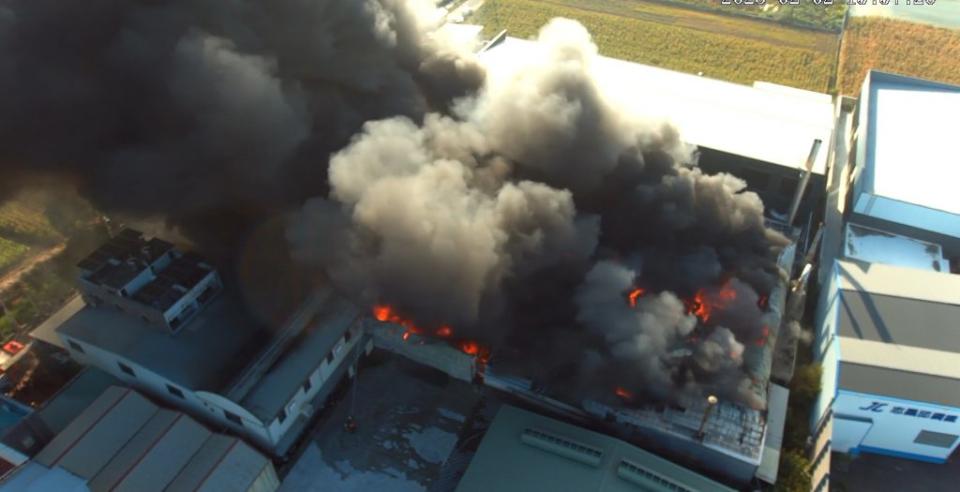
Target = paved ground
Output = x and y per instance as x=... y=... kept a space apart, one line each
x=874 y=473
x=408 y=420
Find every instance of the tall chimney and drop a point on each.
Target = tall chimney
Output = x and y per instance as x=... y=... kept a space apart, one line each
x=711 y=403
x=802 y=186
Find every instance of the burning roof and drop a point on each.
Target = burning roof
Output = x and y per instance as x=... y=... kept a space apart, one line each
x=518 y=213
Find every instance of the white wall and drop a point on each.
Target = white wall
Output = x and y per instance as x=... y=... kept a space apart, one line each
x=203 y=405
x=828 y=383
x=891 y=432
x=319 y=377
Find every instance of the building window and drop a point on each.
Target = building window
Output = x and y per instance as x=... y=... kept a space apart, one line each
x=307 y=385
x=205 y=295
x=175 y=391
x=937 y=439
x=282 y=416
x=233 y=418
x=75 y=346
x=126 y=369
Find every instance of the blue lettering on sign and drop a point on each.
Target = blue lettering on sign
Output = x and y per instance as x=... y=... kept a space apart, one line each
x=874 y=407
x=878 y=407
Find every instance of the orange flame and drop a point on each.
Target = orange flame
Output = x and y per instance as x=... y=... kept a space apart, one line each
x=470 y=347
x=635 y=294
x=763 y=337
x=383 y=312
x=473 y=348
x=623 y=393
x=387 y=314
x=703 y=304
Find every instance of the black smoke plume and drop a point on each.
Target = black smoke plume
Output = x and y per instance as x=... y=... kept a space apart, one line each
x=524 y=218
x=212 y=114
x=520 y=210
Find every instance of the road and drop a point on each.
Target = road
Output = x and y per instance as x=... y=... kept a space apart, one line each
x=13 y=276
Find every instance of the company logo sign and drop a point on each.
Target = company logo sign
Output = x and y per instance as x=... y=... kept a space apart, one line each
x=880 y=407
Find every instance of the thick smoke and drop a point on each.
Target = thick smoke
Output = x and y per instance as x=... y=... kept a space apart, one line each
x=210 y=113
x=526 y=216
x=519 y=209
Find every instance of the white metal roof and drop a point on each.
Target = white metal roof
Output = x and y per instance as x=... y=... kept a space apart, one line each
x=912 y=140
x=767 y=122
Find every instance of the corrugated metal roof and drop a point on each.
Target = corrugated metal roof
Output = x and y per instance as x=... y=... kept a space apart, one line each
x=124 y=442
x=160 y=464
x=505 y=463
x=136 y=447
x=709 y=112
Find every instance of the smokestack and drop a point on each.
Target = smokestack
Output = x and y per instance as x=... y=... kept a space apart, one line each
x=802 y=186
x=711 y=403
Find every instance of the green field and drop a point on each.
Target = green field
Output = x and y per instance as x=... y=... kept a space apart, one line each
x=10 y=254
x=902 y=47
x=26 y=222
x=721 y=46
x=807 y=14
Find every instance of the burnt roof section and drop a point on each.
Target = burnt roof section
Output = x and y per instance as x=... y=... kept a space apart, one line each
x=120 y=259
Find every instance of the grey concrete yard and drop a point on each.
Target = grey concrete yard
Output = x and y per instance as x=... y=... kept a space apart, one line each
x=875 y=473
x=408 y=419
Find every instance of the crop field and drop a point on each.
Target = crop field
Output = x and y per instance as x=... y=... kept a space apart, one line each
x=26 y=223
x=10 y=254
x=906 y=48
x=808 y=13
x=721 y=46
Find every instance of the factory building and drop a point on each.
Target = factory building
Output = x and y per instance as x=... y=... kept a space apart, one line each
x=523 y=451
x=149 y=279
x=901 y=181
x=761 y=133
x=123 y=441
x=886 y=330
x=218 y=363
